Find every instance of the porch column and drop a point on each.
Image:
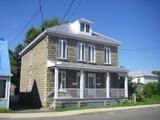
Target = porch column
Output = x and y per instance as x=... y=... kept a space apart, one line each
x=126 y=85
x=107 y=85
x=56 y=84
x=82 y=84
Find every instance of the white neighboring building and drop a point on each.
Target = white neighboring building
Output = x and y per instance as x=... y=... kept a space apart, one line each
x=143 y=77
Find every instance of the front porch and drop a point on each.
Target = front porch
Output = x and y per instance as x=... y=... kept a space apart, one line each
x=80 y=84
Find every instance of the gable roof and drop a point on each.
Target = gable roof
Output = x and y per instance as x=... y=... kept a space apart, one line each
x=65 y=31
x=4 y=58
x=141 y=74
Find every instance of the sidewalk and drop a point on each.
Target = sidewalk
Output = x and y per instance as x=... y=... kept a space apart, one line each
x=68 y=113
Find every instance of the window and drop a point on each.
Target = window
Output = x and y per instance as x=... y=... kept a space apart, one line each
x=62 y=80
x=91 y=53
x=107 y=59
x=87 y=28
x=82 y=27
x=81 y=51
x=63 y=49
x=30 y=57
x=30 y=81
x=2 y=88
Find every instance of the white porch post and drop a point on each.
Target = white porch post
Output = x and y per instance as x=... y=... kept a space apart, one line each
x=56 y=84
x=126 y=85
x=81 y=84
x=107 y=85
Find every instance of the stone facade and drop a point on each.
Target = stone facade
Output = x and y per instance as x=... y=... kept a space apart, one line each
x=72 y=51
x=34 y=70
x=34 y=65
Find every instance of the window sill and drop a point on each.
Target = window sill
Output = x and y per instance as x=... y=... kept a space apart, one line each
x=62 y=58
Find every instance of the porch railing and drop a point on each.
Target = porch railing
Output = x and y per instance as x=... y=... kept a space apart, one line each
x=69 y=93
x=116 y=93
x=90 y=93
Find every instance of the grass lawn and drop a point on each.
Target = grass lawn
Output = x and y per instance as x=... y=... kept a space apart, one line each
x=147 y=101
x=6 y=111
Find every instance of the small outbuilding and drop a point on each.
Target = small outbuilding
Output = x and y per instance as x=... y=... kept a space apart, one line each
x=5 y=75
x=143 y=77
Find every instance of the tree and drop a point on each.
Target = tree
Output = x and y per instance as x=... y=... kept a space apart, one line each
x=156 y=73
x=15 y=65
x=33 y=32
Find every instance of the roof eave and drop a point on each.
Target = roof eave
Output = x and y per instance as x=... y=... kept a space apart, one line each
x=32 y=43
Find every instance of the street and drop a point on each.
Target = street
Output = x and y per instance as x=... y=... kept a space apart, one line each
x=135 y=114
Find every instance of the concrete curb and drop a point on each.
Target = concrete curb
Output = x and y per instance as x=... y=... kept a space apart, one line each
x=69 y=113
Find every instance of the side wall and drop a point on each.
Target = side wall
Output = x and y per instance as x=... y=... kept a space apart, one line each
x=34 y=67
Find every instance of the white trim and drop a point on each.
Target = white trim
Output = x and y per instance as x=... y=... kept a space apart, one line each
x=56 y=84
x=62 y=79
x=91 y=53
x=60 y=50
x=34 y=41
x=6 y=88
x=106 y=61
x=107 y=85
x=80 y=51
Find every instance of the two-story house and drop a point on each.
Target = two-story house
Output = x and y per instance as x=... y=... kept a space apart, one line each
x=71 y=63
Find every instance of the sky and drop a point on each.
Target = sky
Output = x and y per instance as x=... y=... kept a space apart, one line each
x=136 y=23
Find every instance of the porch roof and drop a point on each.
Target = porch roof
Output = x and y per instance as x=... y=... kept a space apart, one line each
x=88 y=67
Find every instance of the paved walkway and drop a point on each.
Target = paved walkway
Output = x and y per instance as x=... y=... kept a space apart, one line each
x=69 y=113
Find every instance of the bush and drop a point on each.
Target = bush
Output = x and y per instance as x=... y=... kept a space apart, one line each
x=151 y=89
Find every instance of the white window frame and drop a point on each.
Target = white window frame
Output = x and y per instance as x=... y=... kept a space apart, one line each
x=61 y=49
x=60 y=82
x=30 y=81
x=80 y=51
x=107 y=61
x=92 y=57
x=31 y=57
x=85 y=28
x=5 y=89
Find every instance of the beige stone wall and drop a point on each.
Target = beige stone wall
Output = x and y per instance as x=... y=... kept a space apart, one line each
x=38 y=69
x=72 y=51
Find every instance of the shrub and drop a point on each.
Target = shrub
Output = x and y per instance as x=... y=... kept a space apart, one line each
x=151 y=89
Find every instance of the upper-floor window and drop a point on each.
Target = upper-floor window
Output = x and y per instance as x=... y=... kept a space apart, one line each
x=63 y=49
x=107 y=57
x=82 y=27
x=81 y=51
x=2 y=88
x=91 y=53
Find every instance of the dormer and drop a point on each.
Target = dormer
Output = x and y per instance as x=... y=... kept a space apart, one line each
x=82 y=26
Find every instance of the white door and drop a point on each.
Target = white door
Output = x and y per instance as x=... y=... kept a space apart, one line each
x=62 y=80
x=91 y=85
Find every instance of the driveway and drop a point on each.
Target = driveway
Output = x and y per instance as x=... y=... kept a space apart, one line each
x=135 y=114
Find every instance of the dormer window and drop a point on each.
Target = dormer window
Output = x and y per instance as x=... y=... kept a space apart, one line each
x=84 y=27
x=87 y=28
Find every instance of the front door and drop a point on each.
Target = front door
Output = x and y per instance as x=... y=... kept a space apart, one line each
x=91 y=85
x=62 y=80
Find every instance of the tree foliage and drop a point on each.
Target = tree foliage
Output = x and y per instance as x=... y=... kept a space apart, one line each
x=30 y=35
x=156 y=73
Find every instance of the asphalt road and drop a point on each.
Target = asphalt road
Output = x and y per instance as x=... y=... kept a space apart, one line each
x=136 y=114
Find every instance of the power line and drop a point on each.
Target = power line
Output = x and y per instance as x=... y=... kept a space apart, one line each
x=67 y=11
x=27 y=24
x=40 y=9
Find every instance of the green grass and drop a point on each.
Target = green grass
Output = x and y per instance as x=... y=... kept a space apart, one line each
x=6 y=111
x=147 y=101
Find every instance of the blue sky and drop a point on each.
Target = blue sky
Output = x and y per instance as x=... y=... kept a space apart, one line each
x=136 y=23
